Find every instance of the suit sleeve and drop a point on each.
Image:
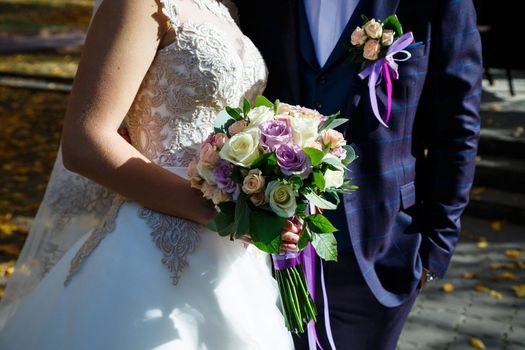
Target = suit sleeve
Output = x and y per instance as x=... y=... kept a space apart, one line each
x=450 y=114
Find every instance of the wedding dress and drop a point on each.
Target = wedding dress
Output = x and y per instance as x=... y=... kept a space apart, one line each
x=135 y=278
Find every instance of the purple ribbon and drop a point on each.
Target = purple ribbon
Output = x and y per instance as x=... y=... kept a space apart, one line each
x=307 y=257
x=386 y=67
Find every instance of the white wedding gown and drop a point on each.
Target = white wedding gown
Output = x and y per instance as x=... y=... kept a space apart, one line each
x=144 y=280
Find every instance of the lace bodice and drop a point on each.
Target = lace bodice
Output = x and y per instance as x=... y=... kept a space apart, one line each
x=210 y=64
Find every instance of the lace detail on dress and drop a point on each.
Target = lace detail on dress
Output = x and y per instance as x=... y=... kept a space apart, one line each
x=210 y=65
x=106 y=226
x=175 y=237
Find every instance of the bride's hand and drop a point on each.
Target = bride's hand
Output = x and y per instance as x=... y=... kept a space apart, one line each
x=290 y=235
x=205 y=210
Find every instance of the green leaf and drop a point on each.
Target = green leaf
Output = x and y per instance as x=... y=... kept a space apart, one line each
x=325 y=246
x=332 y=192
x=246 y=107
x=301 y=207
x=364 y=19
x=318 y=223
x=315 y=155
x=392 y=22
x=336 y=122
x=350 y=154
x=296 y=181
x=235 y=113
x=319 y=202
x=224 y=222
x=266 y=230
x=263 y=101
x=335 y=162
x=319 y=179
x=242 y=215
x=305 y=238
x=276 y=106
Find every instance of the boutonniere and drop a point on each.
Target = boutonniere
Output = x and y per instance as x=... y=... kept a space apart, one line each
x=374 y=47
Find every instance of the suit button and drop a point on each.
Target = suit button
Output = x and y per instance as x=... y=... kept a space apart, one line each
x=318 y=105
x=322 y=79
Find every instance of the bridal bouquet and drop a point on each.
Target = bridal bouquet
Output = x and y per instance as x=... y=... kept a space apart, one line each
x=268 y=163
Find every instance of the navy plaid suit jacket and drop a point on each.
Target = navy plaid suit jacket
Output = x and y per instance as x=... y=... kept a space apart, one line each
x=414 y=177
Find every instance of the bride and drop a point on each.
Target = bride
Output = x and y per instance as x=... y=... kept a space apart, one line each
x=131 y=265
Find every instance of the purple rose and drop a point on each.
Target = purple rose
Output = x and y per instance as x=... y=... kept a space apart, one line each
x=222 y=172
x=274 y=133
x=293 y=160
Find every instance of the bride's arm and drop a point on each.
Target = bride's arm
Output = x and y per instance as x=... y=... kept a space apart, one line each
x=120 y=46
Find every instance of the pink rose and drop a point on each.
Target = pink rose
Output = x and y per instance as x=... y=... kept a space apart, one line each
x=388 y=37
x=332 y=139
x=209 y=155
x=253 y=182
x=219 y=196
x=196 y=182
x=192 y=169
x=237 y=127
x=220 y=139
x=372 y=49
x=258 y=199
x=314 y=144
x=373 y=29
x=358 y=37
x=286 y=109
x=208 y=190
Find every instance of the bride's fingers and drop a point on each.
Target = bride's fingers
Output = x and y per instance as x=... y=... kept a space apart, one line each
x=288 y=246
x=247 y=239
x=290 y=237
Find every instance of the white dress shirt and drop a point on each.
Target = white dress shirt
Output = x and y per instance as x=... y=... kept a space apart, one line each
x=327 y=20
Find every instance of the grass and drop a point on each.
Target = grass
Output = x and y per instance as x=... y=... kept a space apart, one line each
x=41 y=64
x=30 y=16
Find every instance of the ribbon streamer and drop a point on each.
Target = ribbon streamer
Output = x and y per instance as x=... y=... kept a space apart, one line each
x=387 y=67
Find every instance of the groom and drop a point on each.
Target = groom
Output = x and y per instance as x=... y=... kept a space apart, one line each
x=399 y=229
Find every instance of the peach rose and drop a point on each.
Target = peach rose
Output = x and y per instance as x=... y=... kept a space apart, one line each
x=373 y=29
x=209 y=155
x=332 y=139
x=258 y=199
x=219 y=196
x=192 y=171
x=358 y=37
x=208 y=190
x=253 y=182
x=372 y=49
x=237 y=127
x=388 y=37
x=314 y=144
x=196 y=182
x=219 y=139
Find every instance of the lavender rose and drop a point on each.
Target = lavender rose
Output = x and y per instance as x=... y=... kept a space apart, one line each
x=293 y=160
x=274 y=133
x=222 y=172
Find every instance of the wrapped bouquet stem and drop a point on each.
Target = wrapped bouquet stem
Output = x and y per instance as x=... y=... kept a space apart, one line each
x=269 y=163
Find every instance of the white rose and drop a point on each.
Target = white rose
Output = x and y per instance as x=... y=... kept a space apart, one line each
x=281 y=198
x=373 y=28
x=334 y=178
x=358 y=37
x=371 y=49
x=242 y=149
x=305 y=130
x=206 y=173
x=388 y=37
x=259 y=115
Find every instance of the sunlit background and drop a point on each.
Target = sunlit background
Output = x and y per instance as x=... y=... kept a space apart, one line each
x=480 y=303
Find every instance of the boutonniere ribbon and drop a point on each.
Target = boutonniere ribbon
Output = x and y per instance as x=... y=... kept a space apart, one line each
x=375 y=47
x=386 y=67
